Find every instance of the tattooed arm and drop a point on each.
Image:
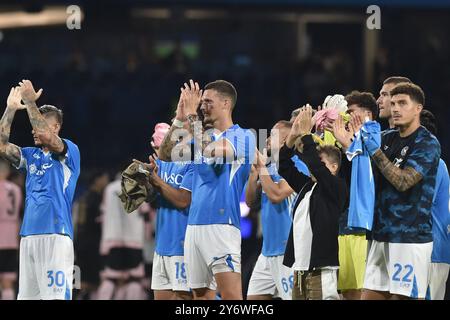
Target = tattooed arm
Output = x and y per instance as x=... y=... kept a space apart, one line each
x=10 y=151
x=42 y=130
x=167 y=145
x=40 y=127
x=171 y=139
x=401 y=179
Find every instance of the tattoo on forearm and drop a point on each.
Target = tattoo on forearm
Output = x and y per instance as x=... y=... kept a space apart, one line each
x=401 y=179
x=5 y=125
x=9 y=151
x=36 y=118
x=12 y=154
x=167 y=145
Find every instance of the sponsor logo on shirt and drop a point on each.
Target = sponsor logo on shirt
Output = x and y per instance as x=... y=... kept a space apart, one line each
x=45 y=166
x=181 y=163
x=172 y=178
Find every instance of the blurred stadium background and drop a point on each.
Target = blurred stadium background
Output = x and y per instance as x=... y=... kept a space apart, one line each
x=120 y=74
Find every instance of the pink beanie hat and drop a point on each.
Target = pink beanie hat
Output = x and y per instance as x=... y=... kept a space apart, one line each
x=160 y=131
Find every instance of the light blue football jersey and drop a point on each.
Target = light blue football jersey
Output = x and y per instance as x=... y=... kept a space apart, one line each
x=50 y=187
x=217 y=186
x=275 y=219
x=171 y=222
x=441 y=216
x=362 y=184
x=301 y=166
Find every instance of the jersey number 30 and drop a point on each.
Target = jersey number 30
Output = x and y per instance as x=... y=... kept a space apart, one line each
x=58 y=278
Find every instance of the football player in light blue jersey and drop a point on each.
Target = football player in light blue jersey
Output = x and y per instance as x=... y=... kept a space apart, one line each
x=53 y=167
x=270 y=278
x=222 y=161
x=173 y=181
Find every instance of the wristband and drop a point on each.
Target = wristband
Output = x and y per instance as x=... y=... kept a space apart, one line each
x=192 y=117
x=177 y=123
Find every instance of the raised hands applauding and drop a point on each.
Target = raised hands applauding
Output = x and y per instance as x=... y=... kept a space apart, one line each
x=191 y=95
x=302 y=125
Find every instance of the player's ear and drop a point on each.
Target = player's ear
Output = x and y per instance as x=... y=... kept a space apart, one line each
x=227 y=104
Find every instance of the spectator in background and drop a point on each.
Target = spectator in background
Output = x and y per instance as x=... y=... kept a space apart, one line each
x=148 y=212
x=10 y=206
x=121 y=245
x=18 y=178
x=88 y=236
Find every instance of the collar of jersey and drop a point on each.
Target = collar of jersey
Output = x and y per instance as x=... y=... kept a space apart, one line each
x=233 y=127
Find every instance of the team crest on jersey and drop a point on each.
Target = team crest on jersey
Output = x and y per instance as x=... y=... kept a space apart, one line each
x=36 y=156
x=404 y=151
x=386 y=147
x=32 y=168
